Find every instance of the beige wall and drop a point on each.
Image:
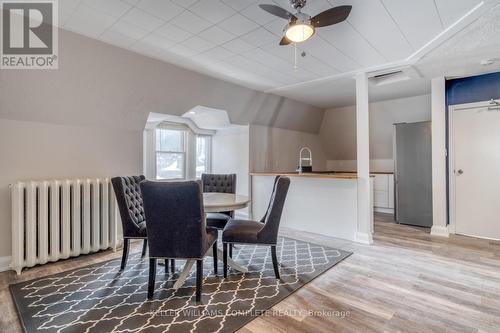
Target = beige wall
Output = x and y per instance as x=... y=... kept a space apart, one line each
x=338 y=130
x=87 y=118
x=32 y=150
x=230 y=154
x=277 y=150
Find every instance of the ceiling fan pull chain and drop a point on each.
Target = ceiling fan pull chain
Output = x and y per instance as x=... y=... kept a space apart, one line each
x=295 y=66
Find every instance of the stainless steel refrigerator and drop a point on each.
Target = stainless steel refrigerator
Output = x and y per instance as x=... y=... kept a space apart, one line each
x=413 y=173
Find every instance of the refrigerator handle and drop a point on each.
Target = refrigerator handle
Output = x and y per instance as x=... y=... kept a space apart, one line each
x=395 y=158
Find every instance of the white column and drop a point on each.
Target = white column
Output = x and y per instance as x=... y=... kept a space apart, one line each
x=365 y=208
x=438 y=115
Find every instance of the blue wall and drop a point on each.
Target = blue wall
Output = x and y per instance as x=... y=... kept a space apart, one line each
x=473 y=89
x=469 y=90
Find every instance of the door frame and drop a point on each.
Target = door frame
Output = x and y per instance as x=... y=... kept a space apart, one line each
x=451 y=156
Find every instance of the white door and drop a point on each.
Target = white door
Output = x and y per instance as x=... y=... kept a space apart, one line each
x=476 y=149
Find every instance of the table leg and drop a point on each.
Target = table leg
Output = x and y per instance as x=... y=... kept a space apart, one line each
x=230 y=262
x=184 y=273
x=190 y=262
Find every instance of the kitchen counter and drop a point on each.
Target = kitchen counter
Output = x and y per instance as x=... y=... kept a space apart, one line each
x=307 y=175
x=329 y=175
x=323 y=203
x=372 y=172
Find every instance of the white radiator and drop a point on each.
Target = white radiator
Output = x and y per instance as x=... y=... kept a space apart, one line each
x=58 y=219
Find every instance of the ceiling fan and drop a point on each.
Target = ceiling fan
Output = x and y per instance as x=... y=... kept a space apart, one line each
x=302 y=26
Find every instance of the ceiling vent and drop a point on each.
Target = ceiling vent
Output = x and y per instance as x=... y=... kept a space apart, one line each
x=393 y=76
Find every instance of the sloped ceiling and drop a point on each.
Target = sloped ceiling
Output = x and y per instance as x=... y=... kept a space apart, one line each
x=237 y=41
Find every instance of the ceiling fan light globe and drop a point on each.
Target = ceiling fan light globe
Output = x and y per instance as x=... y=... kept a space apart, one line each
x=299 y=32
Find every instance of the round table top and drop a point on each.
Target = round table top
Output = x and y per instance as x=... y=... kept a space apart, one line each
x=223 y=202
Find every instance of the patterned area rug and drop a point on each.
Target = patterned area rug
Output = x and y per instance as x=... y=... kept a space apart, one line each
x=98 y=298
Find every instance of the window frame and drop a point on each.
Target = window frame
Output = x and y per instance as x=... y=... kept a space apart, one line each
x=190 y=150
x=184 y=153
x=208 y=163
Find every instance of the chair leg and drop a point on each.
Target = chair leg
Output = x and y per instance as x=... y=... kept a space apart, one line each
x=199 y=279
x=275 y=261
x=224 y=254
x=214 y=250
x=230 y=250
x=166 y=266
x=144 y=247
x=152 y=277
x=126 y=243
x=172 y=266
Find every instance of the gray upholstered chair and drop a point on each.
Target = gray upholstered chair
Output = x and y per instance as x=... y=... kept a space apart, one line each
x=263 y=232
x=176 y=226
x=219 y=183
x=129 y=199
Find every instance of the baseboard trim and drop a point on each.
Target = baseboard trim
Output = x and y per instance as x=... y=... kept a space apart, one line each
x=364 y=238
x=440 y=231
x=5 y=264
x=383 y=210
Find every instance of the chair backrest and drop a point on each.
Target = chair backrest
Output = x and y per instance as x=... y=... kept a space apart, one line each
x=176 y=225
x=219 y=183
x=263 y=219
x=272 y=218
x=129 y=199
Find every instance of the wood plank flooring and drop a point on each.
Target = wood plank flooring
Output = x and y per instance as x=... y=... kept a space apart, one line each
x=407 y=281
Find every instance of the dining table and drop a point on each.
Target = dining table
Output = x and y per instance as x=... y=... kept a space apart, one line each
x=214 y=202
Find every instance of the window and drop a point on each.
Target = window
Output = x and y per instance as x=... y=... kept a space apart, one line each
x=170 y=153
x=179 y=153
x=202 y=155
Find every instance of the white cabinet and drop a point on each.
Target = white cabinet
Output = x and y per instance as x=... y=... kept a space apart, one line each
x=383 y=193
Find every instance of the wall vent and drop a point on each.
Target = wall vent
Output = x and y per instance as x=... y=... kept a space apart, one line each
x=392 y=76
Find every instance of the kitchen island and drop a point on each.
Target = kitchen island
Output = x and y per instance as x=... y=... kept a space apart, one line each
x=322 y=203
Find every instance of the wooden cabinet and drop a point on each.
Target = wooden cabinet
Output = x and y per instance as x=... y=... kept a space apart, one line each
x=383 y=193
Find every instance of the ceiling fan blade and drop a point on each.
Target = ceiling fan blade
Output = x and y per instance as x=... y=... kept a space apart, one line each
x=285 y=41
x=331 y=16
x=277 y=11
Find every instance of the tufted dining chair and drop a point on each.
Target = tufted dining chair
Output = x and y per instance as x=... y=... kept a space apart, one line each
x=129 y=198
x=176 y=226
x=263 y=232
x=219 y=183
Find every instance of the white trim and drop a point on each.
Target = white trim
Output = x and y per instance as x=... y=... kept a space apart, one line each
x=363 y=238
x=438 y=115
x=476 y=105
x=185 y=143
x=349 y=75
x=451 y=154
x=470 y=17
x=440 y=231
x=190 y=137
x=5 y=264
x=384 y=210
x=209 y=161
x=481 y=237
x=364 y=181
x=179 y=120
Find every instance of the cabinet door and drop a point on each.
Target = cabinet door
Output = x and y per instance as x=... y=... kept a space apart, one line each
x=380 y=199
x=391 y=191
x=381 y=183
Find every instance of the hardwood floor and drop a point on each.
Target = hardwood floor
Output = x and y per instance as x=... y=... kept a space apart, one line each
x=407 y=281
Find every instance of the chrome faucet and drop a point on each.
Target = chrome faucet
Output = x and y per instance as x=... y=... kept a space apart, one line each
x=301 y=159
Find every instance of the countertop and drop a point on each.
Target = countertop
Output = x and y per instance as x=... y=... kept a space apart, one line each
x=336 y=175
x=373 y=172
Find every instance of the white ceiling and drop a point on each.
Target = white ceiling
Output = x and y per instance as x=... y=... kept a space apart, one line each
x=237 y=41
